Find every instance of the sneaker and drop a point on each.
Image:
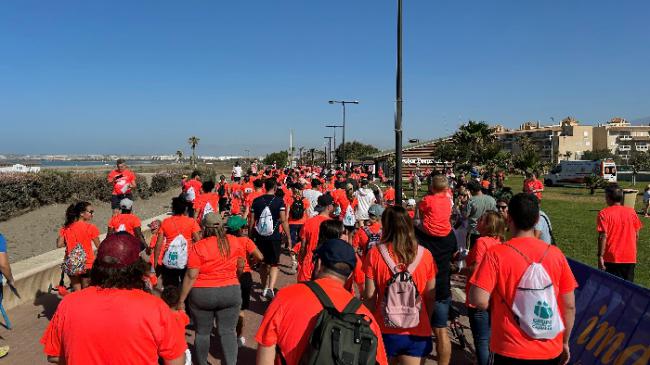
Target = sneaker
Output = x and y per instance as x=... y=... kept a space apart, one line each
x=293 y=270
x=268 y=293
x=241 y=341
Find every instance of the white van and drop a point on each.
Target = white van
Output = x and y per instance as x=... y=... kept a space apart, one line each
x=575 y=172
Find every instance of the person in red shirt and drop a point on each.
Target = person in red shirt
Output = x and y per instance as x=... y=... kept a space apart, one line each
x=123 y=181
x=192 y=191
x=309 y=236
x=403 y=345
x=207 y=202
x=498 y=276
x=154 y=228
x=141 y=327
x=435 y=233
x=389 y=194
x=291 y=316
x=212 y=287
x=258 y=185
x=362 y=242
x=533 y=186
x=78 y=230
x=126 y=221
x=171 y=296
x=618 y=232
x=492 y=228
x=178 y=224
x=297 y=212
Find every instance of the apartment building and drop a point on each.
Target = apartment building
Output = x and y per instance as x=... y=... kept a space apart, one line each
x=621 y=138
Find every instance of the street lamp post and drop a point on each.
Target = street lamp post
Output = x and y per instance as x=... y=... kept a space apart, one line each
x=334 y=150
x=343 y=102
x=329 y=143
x=398 y=110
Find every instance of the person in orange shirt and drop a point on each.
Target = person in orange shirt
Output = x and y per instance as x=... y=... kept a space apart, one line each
x=330 y=229
x=297 y=212
x=123 y=181
x=78 y=232
x=126 y=221
x=114 y=321
x=258 y=191
x=403 y=345
x=532 y=185
x=223 y=188
x=207 y=202
x=213 y=289
x=283 y=335
x=435 y=233
x=178 y=224
x=309 y=236
x=389 y=194
x=192 y=191
x=410 y=207
x=154 y=228
x=618 y=232
x=171 y=296
x=369 y=235
x=498 y=276
x=492 y=228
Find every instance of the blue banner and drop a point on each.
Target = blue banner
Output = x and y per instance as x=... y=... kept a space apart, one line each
x=612 y=320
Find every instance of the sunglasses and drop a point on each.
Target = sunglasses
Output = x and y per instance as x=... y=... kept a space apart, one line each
x=90 y=211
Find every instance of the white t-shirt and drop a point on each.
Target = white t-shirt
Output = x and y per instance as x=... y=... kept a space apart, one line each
x=236 y=171
x=311 y=195
x=365 y=198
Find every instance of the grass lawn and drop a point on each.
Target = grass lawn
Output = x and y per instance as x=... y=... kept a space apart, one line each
x=573 y=214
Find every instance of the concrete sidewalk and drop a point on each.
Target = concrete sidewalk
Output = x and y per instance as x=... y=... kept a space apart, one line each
x=30 y=321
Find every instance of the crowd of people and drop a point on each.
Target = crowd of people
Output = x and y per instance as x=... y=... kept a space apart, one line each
x=373 y=277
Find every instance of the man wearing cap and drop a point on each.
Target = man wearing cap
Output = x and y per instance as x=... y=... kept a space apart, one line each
x=290 y=318
x=141 y=327
x=370 y=233
x=123 y=181
x=126 y=221
x=309 y=236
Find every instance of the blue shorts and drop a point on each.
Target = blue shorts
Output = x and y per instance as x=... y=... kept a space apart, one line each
x=441 y=313
x=416 y=346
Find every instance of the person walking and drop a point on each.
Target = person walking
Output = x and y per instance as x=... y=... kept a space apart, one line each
x=514 y=340
x=312 y=195
x=284 y=332
x=123 y=181
x=114 y=321
x=297 y=207
x=532 y=185
x=236 y=172
x=126 y=221
x=618 y=232
x=310 y=234
x=78 y=236
x=364 y=198
x=478 y=204
x=397 y=256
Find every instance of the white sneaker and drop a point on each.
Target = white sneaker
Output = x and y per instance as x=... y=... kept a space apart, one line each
x=268 y=293
x=241 y=341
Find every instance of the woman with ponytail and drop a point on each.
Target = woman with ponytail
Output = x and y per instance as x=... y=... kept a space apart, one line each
x=211 y=287
x=78 y=236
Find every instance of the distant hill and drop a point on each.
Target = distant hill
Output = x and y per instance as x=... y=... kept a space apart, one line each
x=641 y=121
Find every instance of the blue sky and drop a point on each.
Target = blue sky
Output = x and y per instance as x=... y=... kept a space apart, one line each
x=142 y=76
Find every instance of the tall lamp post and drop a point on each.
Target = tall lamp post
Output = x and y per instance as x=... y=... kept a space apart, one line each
x=329 y=143
x=343 y=102
x=334 y=150
x=398 y=110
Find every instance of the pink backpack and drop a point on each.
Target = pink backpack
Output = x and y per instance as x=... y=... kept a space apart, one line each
x=402 y=301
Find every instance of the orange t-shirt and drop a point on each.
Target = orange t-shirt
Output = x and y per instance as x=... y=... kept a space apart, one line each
x=377 y=270
x=288 y=201
x=530 y=185
x=291 y=316
x=141 y=327
x=252 y=196
x=309 y=238
x=435 y=211
x=475 y=256
x=621 y=225
x=360 y=239
x=215 y=270
x=119 y=185
x=246 y=247
x=389 y=195
x=235 y=206
x=201 y=202
x=196 y=186
x=175 y=225
x=341 y=199
x=499 y=274
x=80 y=232
x=124 y=222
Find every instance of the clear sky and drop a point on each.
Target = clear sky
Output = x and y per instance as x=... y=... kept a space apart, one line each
x=142 y=76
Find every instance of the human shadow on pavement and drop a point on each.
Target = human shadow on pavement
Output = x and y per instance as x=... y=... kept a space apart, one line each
x=48 y=301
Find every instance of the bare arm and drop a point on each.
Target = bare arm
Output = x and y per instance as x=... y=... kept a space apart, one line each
x=369 y=293
x=196 y=236
x=479 y=298
x=602 y=241
x=265 y=355
x=5 y=268
x=240 y=266
x=285 y=225
x=60 y=242
x=430 y=296
x=188 y=283
x=139 y=235
x=568 y=316
x=96 y=242
x=157 y=249
x=257 y=254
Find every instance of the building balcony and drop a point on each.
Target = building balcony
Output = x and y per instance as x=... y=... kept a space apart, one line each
x=641 y=147
x=624 y=148
x=624 y=137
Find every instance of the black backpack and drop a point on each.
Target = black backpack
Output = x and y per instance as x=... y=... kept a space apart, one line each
x=221 y=190
x=297 y=209
x=342 y=338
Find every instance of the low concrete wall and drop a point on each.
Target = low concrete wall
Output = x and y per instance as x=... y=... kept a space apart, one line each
x=34 y=275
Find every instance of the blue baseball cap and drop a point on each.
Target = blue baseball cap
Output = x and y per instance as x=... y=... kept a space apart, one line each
x=334 y=251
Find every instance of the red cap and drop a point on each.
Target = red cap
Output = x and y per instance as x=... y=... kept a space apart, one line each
x=118 y=251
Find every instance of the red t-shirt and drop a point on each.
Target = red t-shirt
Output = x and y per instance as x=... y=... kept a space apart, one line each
x=246 y=247
x=620 y=224
x=202 y=201
x=196 y=186
x=389 y=195
x=499 y=274
x=175 y=225
x=435 y=211
x=80 y=232
x=288 y=201
x=123 y=184
x=530 y=185
x=141 y=328
x=291 y=317
x=124 y=222
x=309 y=238
x=360 y=239
x=377 y=270
x=215 y=270
x=475 y=256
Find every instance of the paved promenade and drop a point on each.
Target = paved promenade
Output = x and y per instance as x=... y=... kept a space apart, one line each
x=30 y=320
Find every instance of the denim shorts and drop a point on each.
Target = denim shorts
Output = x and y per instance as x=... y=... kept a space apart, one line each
x=416 y=346
x=441 y=313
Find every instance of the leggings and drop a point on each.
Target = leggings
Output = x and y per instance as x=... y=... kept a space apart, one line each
x=224 y=304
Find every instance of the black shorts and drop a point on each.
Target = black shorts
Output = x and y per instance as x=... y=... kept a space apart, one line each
x=442 y=249
x=246 y=284
x=623 y=271
x=271 y=249
x=116 y=199
x=236 y=179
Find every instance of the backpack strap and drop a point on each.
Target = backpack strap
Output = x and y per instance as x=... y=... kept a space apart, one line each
x=550 y=229
x=392 y=266
x=526 y=257
x=324 y=300
x=416 y=261
x=352 y=306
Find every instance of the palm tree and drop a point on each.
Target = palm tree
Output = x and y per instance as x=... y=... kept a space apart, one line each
x=193 y=141
x=179 y=155
x=472 y=139
x=568 y=155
